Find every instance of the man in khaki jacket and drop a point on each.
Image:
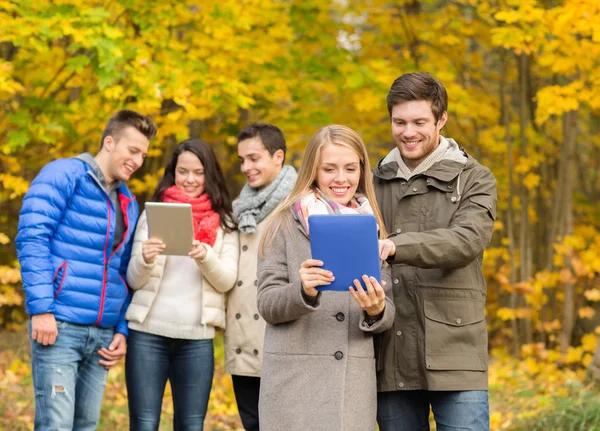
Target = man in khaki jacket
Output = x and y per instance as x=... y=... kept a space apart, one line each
x=261 y=151
x=439 y=205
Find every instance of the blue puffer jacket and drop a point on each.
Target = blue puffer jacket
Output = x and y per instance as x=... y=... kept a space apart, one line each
x=65 y=247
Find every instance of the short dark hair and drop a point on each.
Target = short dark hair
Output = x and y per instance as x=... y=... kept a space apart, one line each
x=214 y=180
x=126 y=118
x=418 y=86
x=270 y=135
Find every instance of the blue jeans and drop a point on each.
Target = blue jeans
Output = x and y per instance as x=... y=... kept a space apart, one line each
x=452 y=410
x=187 y=364
x=68 y=381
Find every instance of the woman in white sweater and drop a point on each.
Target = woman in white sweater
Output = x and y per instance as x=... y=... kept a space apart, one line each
x=179 y=300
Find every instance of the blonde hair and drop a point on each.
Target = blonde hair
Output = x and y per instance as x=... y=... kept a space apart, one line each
x=307 y=176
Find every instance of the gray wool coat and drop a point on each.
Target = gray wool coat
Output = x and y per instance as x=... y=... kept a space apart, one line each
x=319 y=361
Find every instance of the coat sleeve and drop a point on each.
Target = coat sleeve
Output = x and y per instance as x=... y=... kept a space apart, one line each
x=389 y=312
x=459 y=244
x=221 y=270
x=138 y=271
x=280 y=300
x=41 y=213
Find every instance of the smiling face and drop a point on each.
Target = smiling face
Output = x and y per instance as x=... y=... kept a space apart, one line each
x=338 y=173
x=189 y=174
x=256 y=163
x=125 y=155
x=415 y=131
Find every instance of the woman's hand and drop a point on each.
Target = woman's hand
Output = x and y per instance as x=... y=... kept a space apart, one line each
x=151 y=248
x=373 y=300
x=386 y=248
x=199 y=250
x=312 y=276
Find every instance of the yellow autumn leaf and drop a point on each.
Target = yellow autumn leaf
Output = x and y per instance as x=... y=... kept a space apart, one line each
x=589 y=342
x=586 y=312
x=592 y=294
x=574 y=355
x=531 y=181
x=566 y=276
x=506 y=314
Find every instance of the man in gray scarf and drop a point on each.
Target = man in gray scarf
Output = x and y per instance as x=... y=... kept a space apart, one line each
x=261 y=151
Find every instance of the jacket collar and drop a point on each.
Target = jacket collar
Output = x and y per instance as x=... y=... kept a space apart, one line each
x=444 y=170
x=95 y=171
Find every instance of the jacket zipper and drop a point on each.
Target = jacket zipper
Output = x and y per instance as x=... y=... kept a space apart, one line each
x=105 y=272
x=107 y=261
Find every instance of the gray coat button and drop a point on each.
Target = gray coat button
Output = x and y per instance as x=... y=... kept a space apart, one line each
x=415 y=189
x=238 y=316
x=238 y=350
x=459 y=320
x=401 y=384
x=256 y=316
x=398 y=230
x=239 y=283
x=244 y=248
x=399 y=333
x=338 y=355
x=340 y=317
x=396 y=281
x=255 y=352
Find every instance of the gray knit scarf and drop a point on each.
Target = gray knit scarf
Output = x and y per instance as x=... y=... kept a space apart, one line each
x=254 y=205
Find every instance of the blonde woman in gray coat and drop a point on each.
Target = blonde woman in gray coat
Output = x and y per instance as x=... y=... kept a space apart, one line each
x=319 y=360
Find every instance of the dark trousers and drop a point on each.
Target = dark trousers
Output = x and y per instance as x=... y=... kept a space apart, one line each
x=247 y=390
x=152 y=360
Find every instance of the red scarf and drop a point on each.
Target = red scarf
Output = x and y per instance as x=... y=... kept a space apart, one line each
x=206 y=221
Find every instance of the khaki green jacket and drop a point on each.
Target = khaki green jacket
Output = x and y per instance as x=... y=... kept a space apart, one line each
x=441 y=221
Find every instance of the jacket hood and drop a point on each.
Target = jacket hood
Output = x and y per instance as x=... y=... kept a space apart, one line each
x=452 y=162
x=95 y=170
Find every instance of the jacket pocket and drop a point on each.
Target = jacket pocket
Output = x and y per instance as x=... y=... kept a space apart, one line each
x=60 y=275
x=455 y=334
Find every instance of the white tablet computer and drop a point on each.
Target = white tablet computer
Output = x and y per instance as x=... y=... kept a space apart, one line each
x=172 y=223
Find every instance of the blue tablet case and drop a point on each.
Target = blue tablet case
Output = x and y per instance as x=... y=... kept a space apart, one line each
x=347 y=244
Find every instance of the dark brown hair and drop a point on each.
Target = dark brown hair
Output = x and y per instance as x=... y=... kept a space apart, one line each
x=214 y=180
x=418 y=86
x=270 y=135
x=126 y=118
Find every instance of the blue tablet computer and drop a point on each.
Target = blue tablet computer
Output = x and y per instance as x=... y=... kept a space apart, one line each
x=348 y=246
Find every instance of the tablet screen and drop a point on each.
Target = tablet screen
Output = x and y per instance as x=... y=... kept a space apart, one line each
x=348 y=246
x=172 y=223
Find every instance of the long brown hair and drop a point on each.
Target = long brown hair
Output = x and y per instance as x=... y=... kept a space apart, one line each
x=332 y=134
x=214 y=180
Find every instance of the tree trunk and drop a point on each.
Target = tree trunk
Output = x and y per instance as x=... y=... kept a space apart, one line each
x=568 y=158
x=510 y=230
x=524 y=243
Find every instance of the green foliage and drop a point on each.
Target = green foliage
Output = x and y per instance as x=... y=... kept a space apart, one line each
x=580 y=411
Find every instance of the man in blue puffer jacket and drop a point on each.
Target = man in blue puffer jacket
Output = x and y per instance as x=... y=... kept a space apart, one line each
x=74 y=242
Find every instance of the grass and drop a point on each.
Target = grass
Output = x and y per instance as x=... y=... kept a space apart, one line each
x=517 y=402
x=17 y=400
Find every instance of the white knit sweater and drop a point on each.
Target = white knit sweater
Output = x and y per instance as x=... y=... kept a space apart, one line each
x=176 y=296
